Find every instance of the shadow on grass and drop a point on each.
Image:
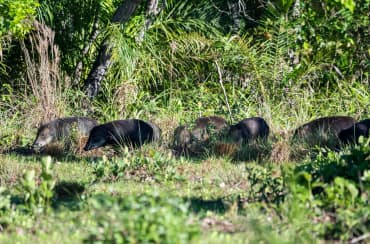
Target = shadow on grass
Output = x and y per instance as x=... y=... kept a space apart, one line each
x=56 y=153
x=199 y=205
x=21 y=151
x=258 y=152
x=68 y=194
x=255 y=151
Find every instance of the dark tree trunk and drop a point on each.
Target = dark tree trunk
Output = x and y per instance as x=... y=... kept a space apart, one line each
x=103 y=60
x=79 y=67
x=235 y=15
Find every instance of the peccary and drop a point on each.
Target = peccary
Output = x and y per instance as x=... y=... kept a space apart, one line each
x=200 y=132
x=157 y=132
x=182 y=138
x=63 y=129
x=187 y=140
x=353 y=133
x=130 y=132
x=323 y=131
x=331 y=124
x=249 y=129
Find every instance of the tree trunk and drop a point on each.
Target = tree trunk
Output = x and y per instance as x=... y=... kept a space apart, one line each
x=235 y=15
x=103 y=60
x=297 y=9
x=152 y=10
x=79 y=67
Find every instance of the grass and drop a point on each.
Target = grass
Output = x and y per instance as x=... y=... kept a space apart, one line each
x=186 y=68
x=238 y=198
x=205 y=184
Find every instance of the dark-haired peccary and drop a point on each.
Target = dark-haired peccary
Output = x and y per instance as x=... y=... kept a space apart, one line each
x=130 y=132
x=192 y=140
x=63 y=130
x=353 y=133
x=249 y=129
x=323 y=131
x=181 y=139
x=203 y=124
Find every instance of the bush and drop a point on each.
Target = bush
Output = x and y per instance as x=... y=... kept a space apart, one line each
x=150 y=166
x=350 y=164
x=265 y=186
x=37 y=196
x=333 y=191
x=149 y=218
x=16 y=16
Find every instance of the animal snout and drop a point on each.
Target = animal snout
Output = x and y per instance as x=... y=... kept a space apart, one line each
x=36 y=145
x=87 y=147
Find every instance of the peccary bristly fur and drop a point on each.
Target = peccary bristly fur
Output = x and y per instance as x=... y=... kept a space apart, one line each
x=325 y=125
x=353 y=133
x=249 y=129
x=200 y=133
x=62 y=129
x=130 y=132
x=181 y=138
x=193 y=140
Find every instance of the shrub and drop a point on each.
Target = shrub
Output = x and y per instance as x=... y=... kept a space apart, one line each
x=38 y=196
x=333 y=191
x=149 y=218
x=264 y=186
x=142 y=166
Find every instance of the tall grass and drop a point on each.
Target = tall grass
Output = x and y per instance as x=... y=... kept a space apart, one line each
x=43 y=72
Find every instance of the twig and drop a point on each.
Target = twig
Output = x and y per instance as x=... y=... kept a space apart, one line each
x=218 y=9
x=360 y=238
x=338 y=71
x=223 y=88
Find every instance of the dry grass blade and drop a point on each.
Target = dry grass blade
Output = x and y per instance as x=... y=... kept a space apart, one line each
x=43 y=71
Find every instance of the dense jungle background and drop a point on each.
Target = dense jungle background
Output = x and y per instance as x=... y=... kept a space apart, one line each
x=170 y=62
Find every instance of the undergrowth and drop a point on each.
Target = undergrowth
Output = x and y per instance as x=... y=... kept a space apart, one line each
x=289 y=69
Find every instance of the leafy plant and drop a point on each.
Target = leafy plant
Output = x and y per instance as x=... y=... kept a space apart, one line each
x=139 y=165
x=16 y=17
x=4 y=199
x=264 y=186
x=335 y=189
x=350 y=164
x=149 y=218
x=38 y=196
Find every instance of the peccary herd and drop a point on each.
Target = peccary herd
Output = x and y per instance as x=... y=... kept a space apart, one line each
x=131 y=132
x=134 y=132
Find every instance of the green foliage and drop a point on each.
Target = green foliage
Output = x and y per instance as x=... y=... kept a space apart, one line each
x=325 y=198
x=349 y=164
x=290 y=69
x=335 y=189
x=328 y=33
x=38 y=196
x=149 y=218
x=150 y=166
x=74 y=23
x=16 y=17
x=264 y=186
x=4 y=200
